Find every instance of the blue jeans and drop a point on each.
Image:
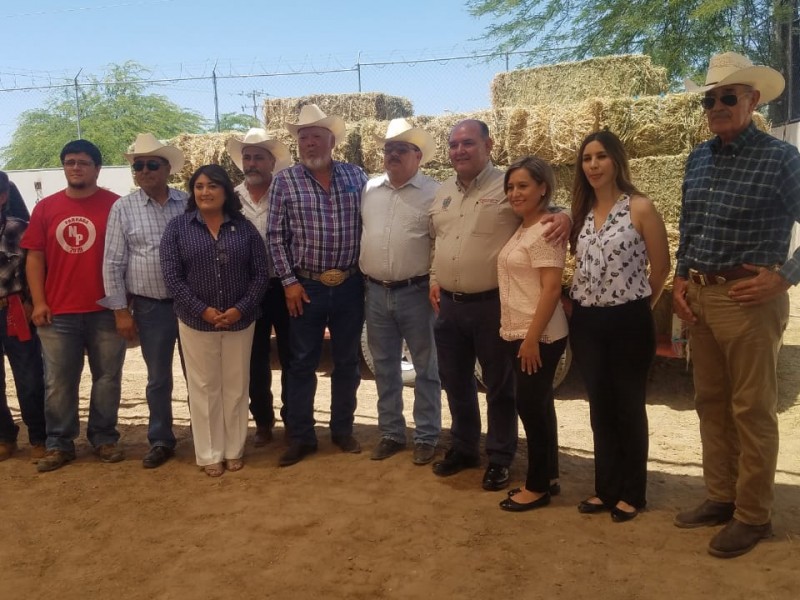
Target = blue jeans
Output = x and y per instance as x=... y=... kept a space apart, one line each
x=158 y=330
x=25 y=359
x=63 y=346
x=341 y=310
x=393 y=315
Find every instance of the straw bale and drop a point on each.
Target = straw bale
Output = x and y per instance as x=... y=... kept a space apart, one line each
x=203 y=149
x=661 y=178
x=351 y=107
x=625 y=75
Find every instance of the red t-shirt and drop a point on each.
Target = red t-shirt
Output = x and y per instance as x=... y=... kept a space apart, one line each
x=72 y=234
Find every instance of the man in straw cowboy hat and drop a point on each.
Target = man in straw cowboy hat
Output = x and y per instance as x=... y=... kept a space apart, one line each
x=134 y=285
x=395 y=259
x=259 y=157
x=65 y=241
x=741 y=196
x=313 y=235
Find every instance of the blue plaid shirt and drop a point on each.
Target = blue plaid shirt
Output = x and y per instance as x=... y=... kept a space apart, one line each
x=740 y=202
x=309 y=228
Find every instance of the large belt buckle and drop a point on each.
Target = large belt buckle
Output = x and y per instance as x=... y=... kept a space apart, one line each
x=332 y=277
x=698 y=277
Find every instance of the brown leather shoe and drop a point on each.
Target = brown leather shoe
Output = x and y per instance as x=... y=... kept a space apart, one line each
x=109 y=453
x=738 y=538
x=7 y=450
x=37 y=452
x=708 y=514
x=263 y=436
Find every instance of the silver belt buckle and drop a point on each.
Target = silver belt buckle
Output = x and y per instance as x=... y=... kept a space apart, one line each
x=332 y=277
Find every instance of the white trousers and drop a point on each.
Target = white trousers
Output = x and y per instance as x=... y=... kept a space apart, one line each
x=218 y=378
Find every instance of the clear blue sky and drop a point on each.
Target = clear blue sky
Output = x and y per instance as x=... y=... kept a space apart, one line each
x=48 y=41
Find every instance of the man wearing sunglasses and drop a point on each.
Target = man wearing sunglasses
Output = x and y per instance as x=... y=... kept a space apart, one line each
x=741 y=197
x=65 y=240
x=134 y=286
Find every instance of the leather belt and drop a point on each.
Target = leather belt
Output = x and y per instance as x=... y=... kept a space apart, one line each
x=719 y=277
x=159 y=300
x=476 y=297
x=331 y=277
x=393 y=285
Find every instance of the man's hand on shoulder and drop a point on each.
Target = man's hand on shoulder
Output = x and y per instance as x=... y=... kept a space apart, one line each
x=557 y=227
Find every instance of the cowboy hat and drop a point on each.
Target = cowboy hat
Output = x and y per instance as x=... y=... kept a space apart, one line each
x=312 y=116
x=146 y=144
x=400 y=130
x=260 y=139
x=731 y=68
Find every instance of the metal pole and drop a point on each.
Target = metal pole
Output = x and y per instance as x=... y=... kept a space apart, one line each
x=506 y=61
x=78 y=102
x=216 y=97
x=358 y=69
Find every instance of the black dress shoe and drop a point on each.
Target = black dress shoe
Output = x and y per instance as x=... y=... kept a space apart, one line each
x=620 y=516
x=512 y=505
x=590 y=508
x=454 y=462
x=157 y=456
x=554 y=490
x=295 y=453
x=346 y=443
x=495 y=478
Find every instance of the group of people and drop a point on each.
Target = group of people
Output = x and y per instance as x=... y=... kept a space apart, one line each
x=470 y=269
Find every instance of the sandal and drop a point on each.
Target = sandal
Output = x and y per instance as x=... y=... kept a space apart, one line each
x=215 y=470
x=234 y=464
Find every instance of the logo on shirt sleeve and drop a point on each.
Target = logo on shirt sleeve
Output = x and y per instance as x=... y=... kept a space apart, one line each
x=76 y=235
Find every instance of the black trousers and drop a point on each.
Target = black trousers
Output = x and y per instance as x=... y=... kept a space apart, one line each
x=614 y=347
x=464 y=331
x=536 y=409
x=273 y=314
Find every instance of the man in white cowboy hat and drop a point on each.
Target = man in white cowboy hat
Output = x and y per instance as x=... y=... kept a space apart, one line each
x=134 y=285
x=472 y=220
x=396 y=260
x=313 y=236
x=741 y=196
x=259 y=157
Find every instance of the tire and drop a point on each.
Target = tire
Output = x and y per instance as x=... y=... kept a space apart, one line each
x=406 y=366
x=562 y=369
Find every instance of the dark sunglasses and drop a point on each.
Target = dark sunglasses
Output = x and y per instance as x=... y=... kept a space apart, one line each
x=152 y=165
x=708 y=102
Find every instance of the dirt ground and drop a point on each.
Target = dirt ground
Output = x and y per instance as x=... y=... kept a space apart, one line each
x=343 y=526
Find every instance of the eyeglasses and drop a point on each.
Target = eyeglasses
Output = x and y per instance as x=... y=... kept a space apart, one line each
x=404 y=149
x=84 y=164
x=152 y=165
x=708 y=102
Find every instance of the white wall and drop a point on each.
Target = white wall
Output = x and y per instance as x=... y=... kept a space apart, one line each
x=790 y=133
x=116 y=179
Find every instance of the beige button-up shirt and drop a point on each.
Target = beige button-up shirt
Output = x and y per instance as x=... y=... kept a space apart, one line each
x=256 y=213
x=396 y=237
x=470 y=227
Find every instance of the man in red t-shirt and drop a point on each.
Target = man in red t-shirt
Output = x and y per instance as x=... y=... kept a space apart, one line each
x=65 y=242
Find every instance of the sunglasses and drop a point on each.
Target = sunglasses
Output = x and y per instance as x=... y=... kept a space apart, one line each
x=152 y=165
x=708 y=102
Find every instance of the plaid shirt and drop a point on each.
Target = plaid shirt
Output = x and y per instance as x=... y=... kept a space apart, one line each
x=311 y=229
x=740 y=202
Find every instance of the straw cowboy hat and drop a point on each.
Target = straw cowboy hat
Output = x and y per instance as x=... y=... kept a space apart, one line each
x=146 y=144
x=400 y=130
x=258 y=137
x=731 y=68
x=312 y=116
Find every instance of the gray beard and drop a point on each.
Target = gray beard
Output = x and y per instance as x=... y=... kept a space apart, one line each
x=317 y=164
x=254 y=179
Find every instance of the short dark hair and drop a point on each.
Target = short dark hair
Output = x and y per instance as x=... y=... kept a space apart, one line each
x=4 y=183
x=85 y=147
x=539 y=170
x=232 y=205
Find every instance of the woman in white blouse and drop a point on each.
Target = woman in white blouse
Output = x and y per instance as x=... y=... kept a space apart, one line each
x=532 y=321
x=616 y=233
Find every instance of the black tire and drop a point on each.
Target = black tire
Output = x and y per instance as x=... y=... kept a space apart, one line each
x=406 y=366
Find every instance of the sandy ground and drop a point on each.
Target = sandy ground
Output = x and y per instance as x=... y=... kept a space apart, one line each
x=343 y=526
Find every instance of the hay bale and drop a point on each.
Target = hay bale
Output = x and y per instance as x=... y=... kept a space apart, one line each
x=203 y=149
x=661 y=178
x=351 y=107
x=625 y=75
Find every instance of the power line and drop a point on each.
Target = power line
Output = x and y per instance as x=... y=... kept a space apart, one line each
x=84 y=8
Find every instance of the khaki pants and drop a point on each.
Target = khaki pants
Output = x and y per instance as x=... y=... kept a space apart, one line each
x=218 y=376
x=735 y=355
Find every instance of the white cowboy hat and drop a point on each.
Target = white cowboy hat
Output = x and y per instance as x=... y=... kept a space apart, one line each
x=731 y=68
x=146 y=144
x=400 y=130
x=258 y=137
x=312 y=116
